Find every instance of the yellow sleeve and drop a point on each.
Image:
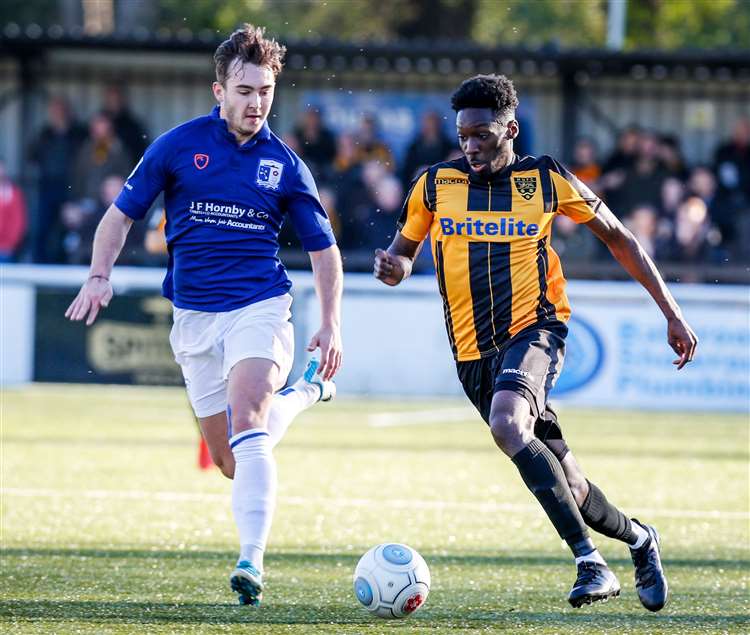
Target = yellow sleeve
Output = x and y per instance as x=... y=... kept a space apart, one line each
x=416 y=217
x=574 y=199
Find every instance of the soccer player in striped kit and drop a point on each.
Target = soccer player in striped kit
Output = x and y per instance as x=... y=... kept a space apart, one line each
x=489 y=219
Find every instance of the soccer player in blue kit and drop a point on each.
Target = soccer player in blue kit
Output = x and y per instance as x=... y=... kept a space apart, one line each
x=228 y=184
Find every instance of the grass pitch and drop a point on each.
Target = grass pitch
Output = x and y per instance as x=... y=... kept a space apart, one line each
x=109 y=527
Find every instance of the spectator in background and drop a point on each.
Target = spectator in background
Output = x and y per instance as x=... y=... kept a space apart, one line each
x=369 y=145
x=101 y=155
x=671 y=157
x=13 y=216
x=53 y=152
x=626 y=151
x=585 y=163
x=346 y=153
x=702 y=183
x=127 y=127
x=643 y=222
x=672 y=194
x=316 y=143
x=368 y=196
x=619 y=161
x=81 y=219
x=154 y=240
x=732 y=167
x=386 y=194
x=693 y=238
x=431 y=145
x=732 y=160
x=329 y=201
x=643 y=180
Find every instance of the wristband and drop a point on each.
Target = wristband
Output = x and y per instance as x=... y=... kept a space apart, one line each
x=100 y=277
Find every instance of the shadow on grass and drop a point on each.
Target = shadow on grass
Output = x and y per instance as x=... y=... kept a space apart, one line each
x=207 y=613
x=681 y=453
x=297 y=558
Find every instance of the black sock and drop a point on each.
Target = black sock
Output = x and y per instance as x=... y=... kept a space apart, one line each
x=544 y=476
x=604 y=518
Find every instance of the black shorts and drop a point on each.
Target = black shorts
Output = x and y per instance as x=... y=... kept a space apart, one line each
x=528 y=364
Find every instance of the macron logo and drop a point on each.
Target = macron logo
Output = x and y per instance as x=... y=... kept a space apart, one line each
x=505 y=226
x=515 y=371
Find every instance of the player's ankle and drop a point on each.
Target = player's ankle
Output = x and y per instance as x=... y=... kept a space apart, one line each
x=642 y=536
x=592 y=556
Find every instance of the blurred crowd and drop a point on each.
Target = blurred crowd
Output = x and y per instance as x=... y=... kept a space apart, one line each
x=679 y=211
x=360 y=182
x=79 y=171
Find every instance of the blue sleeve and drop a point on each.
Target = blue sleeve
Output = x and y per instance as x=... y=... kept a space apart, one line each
x=308 y=217
x=145 y=182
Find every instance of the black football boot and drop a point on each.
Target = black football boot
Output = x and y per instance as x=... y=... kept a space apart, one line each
x=650 y=581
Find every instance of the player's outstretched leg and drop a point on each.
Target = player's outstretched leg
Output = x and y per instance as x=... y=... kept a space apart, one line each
x=309 y=389
x=643 y=540
x=512 y=429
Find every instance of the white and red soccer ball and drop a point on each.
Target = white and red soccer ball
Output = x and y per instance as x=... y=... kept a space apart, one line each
x=392 y=580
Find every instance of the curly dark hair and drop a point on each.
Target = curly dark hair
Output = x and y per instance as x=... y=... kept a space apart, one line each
x=486 y=91
x=249 y=44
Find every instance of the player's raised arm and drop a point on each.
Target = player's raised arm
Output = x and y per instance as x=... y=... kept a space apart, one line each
x=329 y=282
x=394 y=265
x=634 y=259
x=96 y=292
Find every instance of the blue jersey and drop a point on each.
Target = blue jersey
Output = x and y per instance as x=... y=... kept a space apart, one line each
x=225 y=205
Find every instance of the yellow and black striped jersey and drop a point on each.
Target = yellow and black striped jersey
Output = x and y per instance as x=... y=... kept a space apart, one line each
x=490 y=238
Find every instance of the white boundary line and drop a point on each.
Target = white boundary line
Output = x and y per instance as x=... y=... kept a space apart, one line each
x=198 y=497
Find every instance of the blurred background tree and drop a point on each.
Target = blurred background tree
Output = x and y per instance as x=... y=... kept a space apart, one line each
x=665 y=24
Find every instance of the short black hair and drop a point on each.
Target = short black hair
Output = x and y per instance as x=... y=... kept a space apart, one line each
x=486 y=91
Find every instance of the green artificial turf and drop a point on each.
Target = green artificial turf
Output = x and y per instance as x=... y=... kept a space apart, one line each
x=109 y=527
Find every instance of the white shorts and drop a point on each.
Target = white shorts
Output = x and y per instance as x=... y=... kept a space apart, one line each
x=207 y=346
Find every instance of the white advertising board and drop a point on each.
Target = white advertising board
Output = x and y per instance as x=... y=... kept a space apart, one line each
x=395 y=344
x=618 y=356
x=617 y=351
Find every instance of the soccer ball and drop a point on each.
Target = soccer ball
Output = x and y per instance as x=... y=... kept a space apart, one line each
x=391 y=580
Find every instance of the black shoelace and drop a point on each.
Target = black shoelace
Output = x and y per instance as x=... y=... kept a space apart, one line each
x=587 y=573
x=645 y=565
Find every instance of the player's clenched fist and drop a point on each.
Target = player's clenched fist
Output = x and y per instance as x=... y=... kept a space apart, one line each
x=387 y=268
x=95 y=294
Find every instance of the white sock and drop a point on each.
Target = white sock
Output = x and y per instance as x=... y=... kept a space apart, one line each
x=253 y=492
x=287 y=404
x=594 y=556
x=642 y=534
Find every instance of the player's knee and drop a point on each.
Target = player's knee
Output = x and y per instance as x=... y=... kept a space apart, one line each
x=252 y=412
x=509 y=431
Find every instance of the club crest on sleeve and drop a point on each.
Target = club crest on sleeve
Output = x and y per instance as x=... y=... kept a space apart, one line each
x=200 y=160
x=526 y=186
x=269 y=174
